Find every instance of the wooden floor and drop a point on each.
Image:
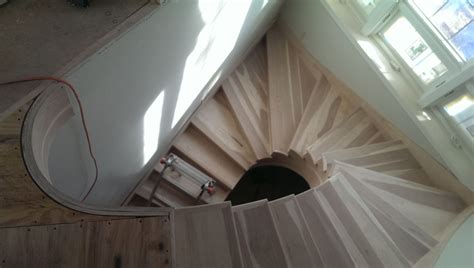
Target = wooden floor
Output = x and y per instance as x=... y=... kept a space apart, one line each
x=142 y=242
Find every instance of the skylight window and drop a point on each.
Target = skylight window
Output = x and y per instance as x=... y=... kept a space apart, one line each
x=414 y=50
x=460 y=105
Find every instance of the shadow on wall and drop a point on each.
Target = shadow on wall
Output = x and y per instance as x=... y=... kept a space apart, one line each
x=222 y=24
x=139 y=90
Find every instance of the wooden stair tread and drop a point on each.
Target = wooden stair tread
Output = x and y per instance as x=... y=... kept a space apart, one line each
x=192 y=188
x=385 y=234
x=417 y=175
x=393 y=160
x=246 y=90
x=285 y=97
x=427 y=207
x=430 y=219
x=445 y=202
x=370 y=175
x=258 y=238
x=373 y=201
x=376 y=248
x=330 y=246
x=357 y=130
x=197 y=147
x=326 y=109
x=218 y=123
x=166 y=193
x=205 y=236
x=369 y=149
x=296 y=239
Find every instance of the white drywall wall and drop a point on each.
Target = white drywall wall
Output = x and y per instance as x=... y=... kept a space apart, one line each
x=139 y=90
x=322 y=37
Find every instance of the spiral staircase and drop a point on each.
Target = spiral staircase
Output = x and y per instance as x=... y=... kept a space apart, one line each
x=373 y=202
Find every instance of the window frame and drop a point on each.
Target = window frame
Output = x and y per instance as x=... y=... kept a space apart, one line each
x=393 y=54
x=454 y=82
x=404 y=9
x=449 y=122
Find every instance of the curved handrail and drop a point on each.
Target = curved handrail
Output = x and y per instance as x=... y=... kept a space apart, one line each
x=46 y=115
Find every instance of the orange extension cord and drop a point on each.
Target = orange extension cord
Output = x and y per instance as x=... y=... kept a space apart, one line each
x=86 y=131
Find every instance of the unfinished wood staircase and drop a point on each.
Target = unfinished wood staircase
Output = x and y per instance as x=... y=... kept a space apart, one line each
x=371 y=204
x=376 y=200
x=355 y=219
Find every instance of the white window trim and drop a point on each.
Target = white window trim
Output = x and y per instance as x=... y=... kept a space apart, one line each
x=459 y=161
x=448 y=122
x=430 y=98
x=384 y=15
x=441 y=89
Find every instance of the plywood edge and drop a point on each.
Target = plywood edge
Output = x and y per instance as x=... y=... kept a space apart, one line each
x=32 y=168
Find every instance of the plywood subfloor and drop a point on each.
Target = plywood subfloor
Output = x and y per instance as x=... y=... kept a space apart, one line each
x=41 y=37
x=141 y=242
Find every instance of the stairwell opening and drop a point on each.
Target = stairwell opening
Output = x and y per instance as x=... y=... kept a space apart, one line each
x=267 y=182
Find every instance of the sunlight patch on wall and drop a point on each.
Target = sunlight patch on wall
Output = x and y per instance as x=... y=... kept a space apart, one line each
x=223 y=21
x=373 y=54
x=151 y=127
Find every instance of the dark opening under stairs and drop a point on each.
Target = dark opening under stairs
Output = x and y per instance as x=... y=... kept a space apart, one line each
x=371 y=203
